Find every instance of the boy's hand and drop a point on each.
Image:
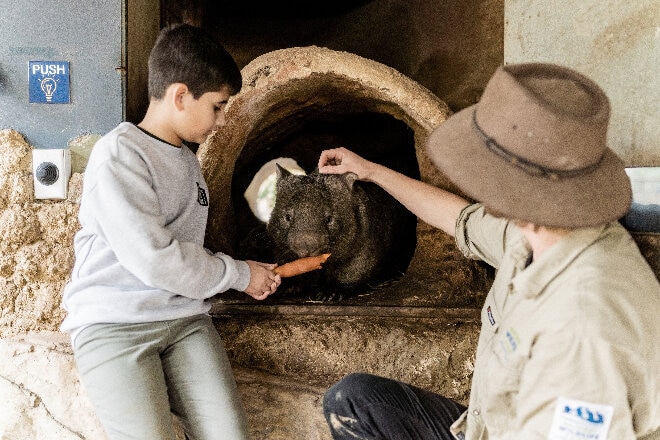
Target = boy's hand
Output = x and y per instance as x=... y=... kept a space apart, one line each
x=263 y=281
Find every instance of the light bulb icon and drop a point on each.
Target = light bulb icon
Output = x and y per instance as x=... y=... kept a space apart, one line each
x=48 y=85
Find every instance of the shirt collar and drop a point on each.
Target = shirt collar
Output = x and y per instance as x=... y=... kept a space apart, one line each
x=532 y=280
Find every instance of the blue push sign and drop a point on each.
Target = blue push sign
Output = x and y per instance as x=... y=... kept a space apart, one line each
x=49 y=82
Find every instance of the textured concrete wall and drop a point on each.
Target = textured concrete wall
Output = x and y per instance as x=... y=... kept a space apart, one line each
x=616 y=43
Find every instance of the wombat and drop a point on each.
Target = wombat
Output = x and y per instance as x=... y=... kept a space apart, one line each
x=369 y=235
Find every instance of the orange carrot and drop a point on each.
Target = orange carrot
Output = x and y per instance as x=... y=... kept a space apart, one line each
x=300 y=266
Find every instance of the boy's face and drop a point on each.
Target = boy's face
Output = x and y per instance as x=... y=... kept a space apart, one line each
x=203 y=115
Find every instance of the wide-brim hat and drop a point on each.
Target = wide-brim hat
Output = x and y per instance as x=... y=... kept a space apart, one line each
x=534 y=148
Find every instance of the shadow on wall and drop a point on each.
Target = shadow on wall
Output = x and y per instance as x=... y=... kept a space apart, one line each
x=450 y=47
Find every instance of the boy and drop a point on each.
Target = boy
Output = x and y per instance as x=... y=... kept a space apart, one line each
x=143 y=341
x=568 y=343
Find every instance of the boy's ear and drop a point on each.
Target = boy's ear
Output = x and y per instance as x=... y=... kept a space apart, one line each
x=178 y=92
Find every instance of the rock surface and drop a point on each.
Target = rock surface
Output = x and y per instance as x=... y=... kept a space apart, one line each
x=43 y=398
x=36 y=254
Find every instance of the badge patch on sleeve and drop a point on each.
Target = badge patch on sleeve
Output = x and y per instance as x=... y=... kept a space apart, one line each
x=201 y=196
x=575 y=419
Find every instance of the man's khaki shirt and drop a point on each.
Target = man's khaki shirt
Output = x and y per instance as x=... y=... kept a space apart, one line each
x=570 y=343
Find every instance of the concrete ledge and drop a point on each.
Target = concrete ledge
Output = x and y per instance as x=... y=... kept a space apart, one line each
x=431 y=353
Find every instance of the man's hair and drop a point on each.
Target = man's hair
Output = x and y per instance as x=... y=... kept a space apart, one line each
x=498 y=214
x=186 y=54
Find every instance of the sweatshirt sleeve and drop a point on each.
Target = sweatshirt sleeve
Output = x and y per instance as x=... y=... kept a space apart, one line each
x=127 y=214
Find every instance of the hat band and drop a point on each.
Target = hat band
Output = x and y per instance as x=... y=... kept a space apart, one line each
x=524 y=164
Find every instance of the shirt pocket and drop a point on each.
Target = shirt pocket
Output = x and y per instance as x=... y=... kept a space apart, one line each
x=501 y=379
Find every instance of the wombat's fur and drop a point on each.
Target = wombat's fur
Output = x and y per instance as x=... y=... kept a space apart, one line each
x=370 y=235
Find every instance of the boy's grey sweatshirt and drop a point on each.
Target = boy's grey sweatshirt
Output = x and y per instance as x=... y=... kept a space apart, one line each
x=140 y=253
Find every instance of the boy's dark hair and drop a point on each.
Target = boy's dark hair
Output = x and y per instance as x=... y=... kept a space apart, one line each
x=186 y=54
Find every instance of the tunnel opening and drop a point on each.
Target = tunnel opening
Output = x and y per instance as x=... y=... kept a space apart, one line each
x=296 y=102
x=301 y=137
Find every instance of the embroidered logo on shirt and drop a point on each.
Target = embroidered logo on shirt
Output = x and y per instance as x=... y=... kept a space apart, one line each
x=491 y=318
x=509 y=341
x=201 y=196
x=575 y=419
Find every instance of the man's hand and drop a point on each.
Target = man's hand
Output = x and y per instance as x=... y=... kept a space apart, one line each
x=341 y=160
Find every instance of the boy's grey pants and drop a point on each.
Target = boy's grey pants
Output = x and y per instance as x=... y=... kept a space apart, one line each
x=135 y=374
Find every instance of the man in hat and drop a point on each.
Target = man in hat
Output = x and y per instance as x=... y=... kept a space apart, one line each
x=568 y=347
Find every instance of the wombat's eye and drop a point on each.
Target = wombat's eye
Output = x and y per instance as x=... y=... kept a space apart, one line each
x=287 y=217
x=329 y=219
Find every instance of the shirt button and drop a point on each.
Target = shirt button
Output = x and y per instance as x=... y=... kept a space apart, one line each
x=476 y=412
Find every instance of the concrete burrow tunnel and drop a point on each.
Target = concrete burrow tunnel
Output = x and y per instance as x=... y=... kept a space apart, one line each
x=296 y=102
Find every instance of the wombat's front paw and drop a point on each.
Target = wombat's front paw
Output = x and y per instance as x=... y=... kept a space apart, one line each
x=326 y=296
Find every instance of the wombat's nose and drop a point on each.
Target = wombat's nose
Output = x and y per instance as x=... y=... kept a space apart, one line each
x=306 y=244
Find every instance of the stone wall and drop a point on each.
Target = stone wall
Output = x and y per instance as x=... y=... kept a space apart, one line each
x=36 y=253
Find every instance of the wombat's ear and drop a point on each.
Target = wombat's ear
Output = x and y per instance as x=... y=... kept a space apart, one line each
x=281 y=172
x=281 y=175
x=349 y=178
